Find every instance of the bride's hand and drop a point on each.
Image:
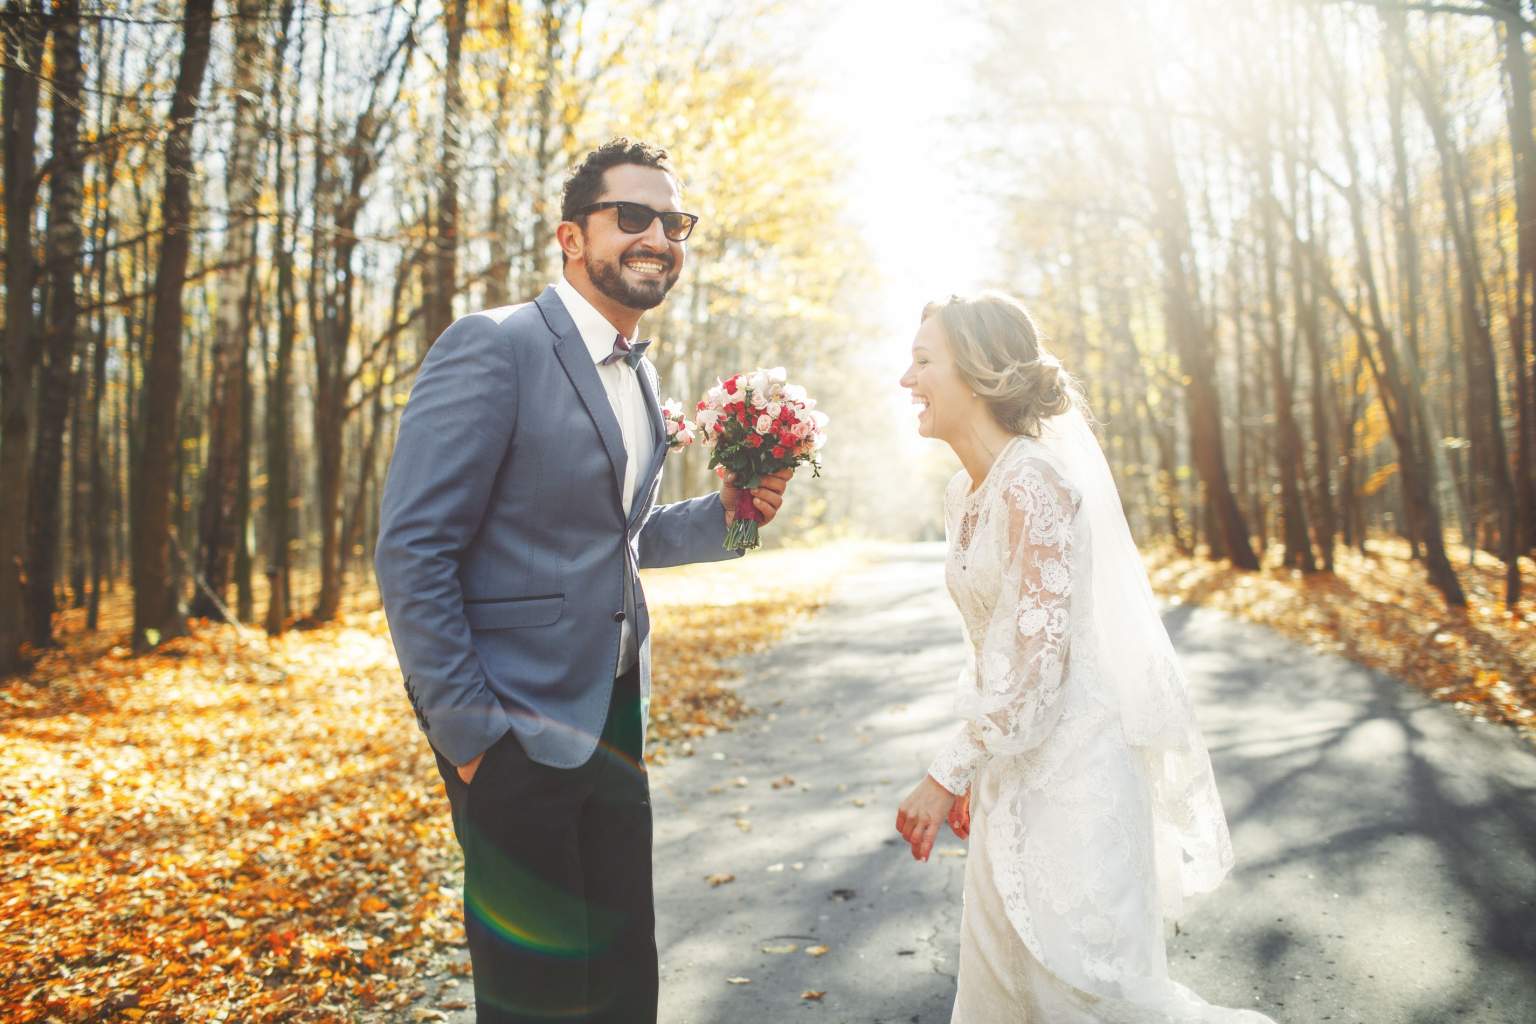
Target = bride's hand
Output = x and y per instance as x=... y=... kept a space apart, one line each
x=922 y=814
x=960 y=817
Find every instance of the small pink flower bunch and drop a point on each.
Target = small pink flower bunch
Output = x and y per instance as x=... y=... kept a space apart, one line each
x=757 y=423
x=681 y=431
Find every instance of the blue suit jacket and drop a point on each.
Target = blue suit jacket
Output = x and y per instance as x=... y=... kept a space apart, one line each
x=503 y=546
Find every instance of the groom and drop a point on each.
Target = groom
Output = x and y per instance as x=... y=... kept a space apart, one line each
x=519 y=506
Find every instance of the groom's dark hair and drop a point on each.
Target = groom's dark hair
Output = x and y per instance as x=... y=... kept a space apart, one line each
x=585 y=182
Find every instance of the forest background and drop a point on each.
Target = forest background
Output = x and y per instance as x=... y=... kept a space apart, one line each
x=1288 y=245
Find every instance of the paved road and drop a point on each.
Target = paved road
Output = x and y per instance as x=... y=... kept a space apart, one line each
x=1386 y=845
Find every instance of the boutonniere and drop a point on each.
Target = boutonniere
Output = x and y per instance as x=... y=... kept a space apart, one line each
x=680 y=430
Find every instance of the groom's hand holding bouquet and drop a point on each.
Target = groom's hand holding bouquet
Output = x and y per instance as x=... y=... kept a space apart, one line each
x=759 y=427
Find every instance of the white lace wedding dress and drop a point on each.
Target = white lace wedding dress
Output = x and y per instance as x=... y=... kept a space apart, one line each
x=1064 y=903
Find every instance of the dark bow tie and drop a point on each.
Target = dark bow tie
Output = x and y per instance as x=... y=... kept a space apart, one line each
x=622 y=349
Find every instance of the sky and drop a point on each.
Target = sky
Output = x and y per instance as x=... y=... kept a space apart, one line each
x=892 y=78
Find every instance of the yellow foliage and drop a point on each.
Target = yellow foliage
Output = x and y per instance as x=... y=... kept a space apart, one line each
x=1372 y=427
x=1377 y=480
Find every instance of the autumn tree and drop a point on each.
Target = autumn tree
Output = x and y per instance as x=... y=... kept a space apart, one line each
x=24 y=37
x=156 y=605
x=220 y=526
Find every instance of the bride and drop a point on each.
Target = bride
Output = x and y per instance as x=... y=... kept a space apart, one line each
x=1078 y=773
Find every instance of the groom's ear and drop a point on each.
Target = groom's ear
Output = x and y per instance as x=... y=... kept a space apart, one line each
x=573 y=243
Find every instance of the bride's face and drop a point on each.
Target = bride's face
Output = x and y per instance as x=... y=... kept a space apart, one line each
x=943 y=398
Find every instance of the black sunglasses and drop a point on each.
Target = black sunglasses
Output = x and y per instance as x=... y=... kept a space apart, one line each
x=635 y=218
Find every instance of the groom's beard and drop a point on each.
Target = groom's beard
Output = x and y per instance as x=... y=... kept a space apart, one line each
x=609 y=279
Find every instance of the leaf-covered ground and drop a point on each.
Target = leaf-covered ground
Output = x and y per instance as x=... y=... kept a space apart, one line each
x=1379 y=610
x=241 y=829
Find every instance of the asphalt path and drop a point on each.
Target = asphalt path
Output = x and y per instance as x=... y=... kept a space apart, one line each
x=1386 y=844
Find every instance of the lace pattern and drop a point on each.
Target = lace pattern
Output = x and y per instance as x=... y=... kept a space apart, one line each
x=1011 y=698
x=1074 y=815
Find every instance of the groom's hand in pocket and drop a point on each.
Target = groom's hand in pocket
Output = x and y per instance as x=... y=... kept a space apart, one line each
x=467 y=771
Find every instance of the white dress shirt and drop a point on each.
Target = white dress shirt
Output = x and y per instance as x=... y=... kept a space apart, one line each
x=622 y=385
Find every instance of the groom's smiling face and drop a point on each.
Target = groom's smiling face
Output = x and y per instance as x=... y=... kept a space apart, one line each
x=634 y=270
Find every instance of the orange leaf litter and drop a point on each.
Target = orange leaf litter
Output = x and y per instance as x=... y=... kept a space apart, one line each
x=249 y=830
x=1379 y=610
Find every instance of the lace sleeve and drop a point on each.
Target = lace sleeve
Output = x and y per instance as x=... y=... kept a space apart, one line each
x=1024 y=651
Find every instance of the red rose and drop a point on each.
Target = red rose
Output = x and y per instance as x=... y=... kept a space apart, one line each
x=755 y=440
x=730 y=386
x=778 y=451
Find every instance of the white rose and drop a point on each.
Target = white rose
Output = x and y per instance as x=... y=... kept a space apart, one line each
x=715 y=395
x=777 y=375
x=764 y=424
x=759 y=400
x=672 y=427
x=794 y=393
x=707 y=417
x=820 y=419
x=758 y=382
x=773 y=409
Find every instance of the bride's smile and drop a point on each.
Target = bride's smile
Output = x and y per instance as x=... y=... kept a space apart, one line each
x=942 y=398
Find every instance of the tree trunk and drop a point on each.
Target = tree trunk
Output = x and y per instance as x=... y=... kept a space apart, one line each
x=1304 y=296
x=245 y=595
x=1522 y=326
x=24 y=36
x=278 y=387
x=1485 y=425
x=156 y=606
x=65 y=202
x=551 y=21
x=1400 y=397
x=445 y=264
x=1287 y=448
x=102 y=510
x=329 y=422
x=219 y=526
x=79 y=472
x=1196 y=348
x=101 y=495
x=333 y=331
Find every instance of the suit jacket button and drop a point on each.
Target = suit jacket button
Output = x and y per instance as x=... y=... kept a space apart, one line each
x=618 y=616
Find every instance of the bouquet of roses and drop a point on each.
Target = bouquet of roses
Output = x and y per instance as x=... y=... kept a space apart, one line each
x=757 y=423
x=680 y=431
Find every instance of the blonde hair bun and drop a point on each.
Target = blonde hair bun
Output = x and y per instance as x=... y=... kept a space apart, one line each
x=998 y=351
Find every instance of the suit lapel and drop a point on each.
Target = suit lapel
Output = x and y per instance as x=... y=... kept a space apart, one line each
x=659 y=438
x=578 y=365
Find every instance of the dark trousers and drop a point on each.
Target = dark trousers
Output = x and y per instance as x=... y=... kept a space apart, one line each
x=558 y=904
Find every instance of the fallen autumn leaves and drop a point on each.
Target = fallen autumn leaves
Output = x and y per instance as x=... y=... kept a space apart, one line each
x=249 y=830
x=1379 y=610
